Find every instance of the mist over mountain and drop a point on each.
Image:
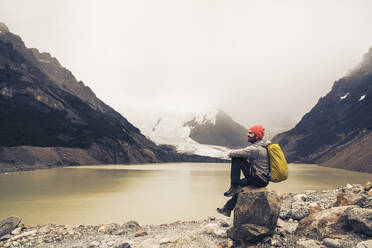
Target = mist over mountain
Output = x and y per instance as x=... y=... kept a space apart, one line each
x=337 y=132
x=48 y=118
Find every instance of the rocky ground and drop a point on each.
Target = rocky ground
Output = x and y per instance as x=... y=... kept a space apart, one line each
x=330 y=218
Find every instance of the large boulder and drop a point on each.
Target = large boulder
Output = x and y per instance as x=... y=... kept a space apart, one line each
x=255 y=215
x=321 y=224
x=361 y=220
x=8 y=224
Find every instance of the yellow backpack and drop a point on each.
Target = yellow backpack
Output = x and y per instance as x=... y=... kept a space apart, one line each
x=278 y=163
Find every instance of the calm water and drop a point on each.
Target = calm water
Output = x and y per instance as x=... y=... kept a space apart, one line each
x=149 y=194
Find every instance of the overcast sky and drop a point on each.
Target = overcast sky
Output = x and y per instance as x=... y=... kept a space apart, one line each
x=261 y=61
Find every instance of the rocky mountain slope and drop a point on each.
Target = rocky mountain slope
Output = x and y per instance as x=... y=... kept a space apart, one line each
x=48 y=118
x=337 y=131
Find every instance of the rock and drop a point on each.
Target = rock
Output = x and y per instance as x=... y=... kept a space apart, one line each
x=123 y=245
x=370 y=192
x=288 y=227
x=93 y=244
x=365 y=244
x=105 y=229
x=220 y=233
x=328 y=221
x=300 y=197
x=211 y=228
x=192 y=241
x=347 y=199
x=368 y=186
x=230 y=243
x=140 y=234
x=309 y=243
x=332 y=243
x=17 y=230
x=164 y=241
x=361 y=220
x=255 y=215
x=8 y=224
x=349 y=186
x=299 y=210
x=44 y=229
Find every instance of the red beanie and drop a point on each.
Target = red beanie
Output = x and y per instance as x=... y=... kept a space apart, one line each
x=259 y=131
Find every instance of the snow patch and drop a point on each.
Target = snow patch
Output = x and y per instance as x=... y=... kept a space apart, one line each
x=344 y=97
x=362 y=98
x=1 y=31
x=205 y=117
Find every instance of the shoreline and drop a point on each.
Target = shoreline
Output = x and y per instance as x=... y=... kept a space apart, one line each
x=210 y=232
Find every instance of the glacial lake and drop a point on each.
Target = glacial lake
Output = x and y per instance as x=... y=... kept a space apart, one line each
x=148 y=194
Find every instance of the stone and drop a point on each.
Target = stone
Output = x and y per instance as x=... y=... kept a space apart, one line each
x=93 y=244
x=191 y=240
x=105 y=229
x=288 y=227
x=361 y=220
x=365 y=244
x=300 y=197
x=255 y=215
x=325 y=222
x=164 y=241
x=123 y=245
x=220 y=233
x=309 y=243
x=347 y=199
x=8 y=224
x=368 y=186
x=140 y=234
x=211 y=228
x=332 y=243
x=299 y=210
x=17 y=230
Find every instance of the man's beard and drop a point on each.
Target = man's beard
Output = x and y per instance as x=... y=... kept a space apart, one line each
x=252 y=140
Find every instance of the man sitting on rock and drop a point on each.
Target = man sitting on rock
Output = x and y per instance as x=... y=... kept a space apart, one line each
x=253 y=162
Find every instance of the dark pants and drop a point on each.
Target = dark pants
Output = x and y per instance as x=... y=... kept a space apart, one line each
x=237 y=165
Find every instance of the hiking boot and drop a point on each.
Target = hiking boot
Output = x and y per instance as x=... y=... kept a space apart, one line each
x=234 y=189
x=224 y=211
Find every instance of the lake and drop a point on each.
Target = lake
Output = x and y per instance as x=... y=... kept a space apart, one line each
x=148 y=194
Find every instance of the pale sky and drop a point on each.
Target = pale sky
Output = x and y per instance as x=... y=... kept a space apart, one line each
x=263 y=62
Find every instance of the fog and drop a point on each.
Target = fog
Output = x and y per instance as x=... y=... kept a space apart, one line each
x=262 y=62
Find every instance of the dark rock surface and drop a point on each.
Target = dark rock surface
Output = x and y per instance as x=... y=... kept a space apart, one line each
x=337 y=130
x=361 y=220
x=8 y=224
x=255 y=215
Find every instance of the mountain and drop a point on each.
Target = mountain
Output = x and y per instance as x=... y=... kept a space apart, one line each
x=48 y=118
x=337 y=130
x=208 y=133
x=217 y=128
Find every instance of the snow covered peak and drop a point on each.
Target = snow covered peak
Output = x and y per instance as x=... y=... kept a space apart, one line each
x=206 y=117
x=362 y=98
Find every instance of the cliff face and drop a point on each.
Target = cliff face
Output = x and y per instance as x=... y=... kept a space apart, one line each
x=337 y=130
x=218 y=129
x=48 y=118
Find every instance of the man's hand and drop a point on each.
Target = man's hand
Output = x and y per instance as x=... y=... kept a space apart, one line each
x=229 y=154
